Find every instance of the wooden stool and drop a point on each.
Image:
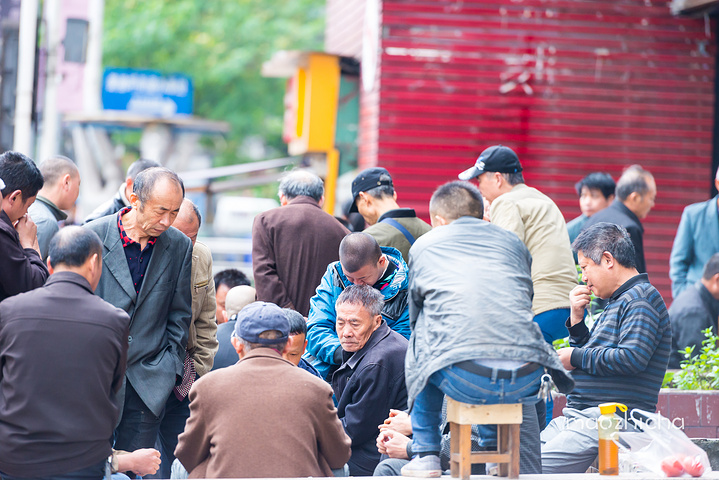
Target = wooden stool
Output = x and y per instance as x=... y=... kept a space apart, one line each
x=461 y=417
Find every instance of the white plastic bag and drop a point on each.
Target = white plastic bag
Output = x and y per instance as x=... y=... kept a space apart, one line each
x=660 y=447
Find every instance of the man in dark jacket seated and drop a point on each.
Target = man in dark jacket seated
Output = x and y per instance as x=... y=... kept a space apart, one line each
x=694 y=310
x=370 y=380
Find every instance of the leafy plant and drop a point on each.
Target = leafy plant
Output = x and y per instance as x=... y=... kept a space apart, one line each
x=701 y=371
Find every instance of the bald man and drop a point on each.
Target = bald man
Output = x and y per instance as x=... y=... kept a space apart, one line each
x=58 y=193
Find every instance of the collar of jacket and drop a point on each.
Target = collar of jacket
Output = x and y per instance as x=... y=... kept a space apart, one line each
x=57 y=213
x=377 y=336
x=398 y=282
x=304 y=200
x=69 y=277
x=636 y=279
x=5 y=219
x=398 y=213
x=264 y=352
x=711 y=302
x=623 y=208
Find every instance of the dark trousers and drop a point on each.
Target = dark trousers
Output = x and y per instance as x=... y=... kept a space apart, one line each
x=93 y=472
x=171 y=426
x=138 y=426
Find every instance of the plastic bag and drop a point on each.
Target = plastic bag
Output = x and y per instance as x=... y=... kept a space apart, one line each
x=660 y=447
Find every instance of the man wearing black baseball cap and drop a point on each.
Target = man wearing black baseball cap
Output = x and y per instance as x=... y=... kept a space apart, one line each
x=537 y=221
x=263 y=416
x=374 y=197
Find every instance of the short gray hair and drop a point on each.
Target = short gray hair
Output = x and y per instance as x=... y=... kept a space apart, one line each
x=369 y=297
x=298 y=183
x=269 y=334
x=634 y=179
x=606 y=237
x=146 y=179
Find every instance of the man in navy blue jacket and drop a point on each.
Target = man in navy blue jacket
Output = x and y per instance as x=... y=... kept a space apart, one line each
x=370 y=380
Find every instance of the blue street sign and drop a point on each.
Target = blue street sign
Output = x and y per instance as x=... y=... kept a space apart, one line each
x=146 y=92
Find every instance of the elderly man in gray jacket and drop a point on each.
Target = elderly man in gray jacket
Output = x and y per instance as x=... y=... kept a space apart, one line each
x=472 y=328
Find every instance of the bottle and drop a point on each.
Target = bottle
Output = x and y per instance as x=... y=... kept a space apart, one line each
x=607 y=424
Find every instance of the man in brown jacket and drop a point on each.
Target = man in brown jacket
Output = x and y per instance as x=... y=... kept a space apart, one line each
x=293 y=244
x=262 y=417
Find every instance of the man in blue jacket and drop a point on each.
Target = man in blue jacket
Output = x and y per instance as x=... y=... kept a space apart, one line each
x=696 y=241
x=362 y=262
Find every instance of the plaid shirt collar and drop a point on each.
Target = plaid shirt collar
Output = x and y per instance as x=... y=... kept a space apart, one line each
x=123 y=235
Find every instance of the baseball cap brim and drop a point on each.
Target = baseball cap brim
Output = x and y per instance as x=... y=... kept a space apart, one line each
x=353 y=206
x=470 y=173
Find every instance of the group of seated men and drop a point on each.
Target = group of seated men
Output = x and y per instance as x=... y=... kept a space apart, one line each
x=117 y=352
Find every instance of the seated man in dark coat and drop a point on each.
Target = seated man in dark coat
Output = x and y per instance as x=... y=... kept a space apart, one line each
x=694 y=310
x=370 y=380
x=63 y=353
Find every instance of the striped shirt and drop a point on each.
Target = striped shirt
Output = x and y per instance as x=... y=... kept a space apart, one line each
x=624 y=357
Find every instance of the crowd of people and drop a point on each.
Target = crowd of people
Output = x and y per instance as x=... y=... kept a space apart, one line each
x=122 y=354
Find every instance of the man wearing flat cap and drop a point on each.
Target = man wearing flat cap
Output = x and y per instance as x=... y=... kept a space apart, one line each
x=537 y=221
x=374 y=197
x=262 y=417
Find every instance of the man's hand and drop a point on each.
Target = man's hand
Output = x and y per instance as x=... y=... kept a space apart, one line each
x=27 y=231
x=565 y=356
x=145 y=461
x=393 y=444
x=579 y=298
x=398 y=421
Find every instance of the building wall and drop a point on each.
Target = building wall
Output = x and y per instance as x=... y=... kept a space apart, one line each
x=572 y=87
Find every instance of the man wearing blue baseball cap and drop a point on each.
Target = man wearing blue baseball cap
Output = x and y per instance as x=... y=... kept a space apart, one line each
x=262 y=417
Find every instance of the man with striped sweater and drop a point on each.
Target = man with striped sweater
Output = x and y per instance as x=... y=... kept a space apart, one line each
x=623 y=357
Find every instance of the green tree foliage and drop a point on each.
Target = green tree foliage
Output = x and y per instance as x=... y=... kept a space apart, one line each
x=221 y=44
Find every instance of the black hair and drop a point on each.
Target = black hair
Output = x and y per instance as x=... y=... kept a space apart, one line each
x=298 y=324
x=606 y=237
x=18 y=172
x=230 y=278
x=711 y=268
x=457 y=199
x=72 y=246
x=357 y=250
x=597 y=181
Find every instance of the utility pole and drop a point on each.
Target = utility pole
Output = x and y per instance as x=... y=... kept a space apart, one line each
x=22 y=140
x=50 y=139
x=92 y=84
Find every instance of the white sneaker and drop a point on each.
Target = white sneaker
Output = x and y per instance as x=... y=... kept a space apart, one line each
x=425 y=467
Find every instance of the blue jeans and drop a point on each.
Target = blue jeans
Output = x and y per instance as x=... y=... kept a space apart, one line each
x=93 y=472
x=552 y=323
x=466 y=387
x=138 y=426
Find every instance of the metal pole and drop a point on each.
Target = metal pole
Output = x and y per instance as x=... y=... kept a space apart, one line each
x=92 y=82
x=22 y=140
x=50 y=139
